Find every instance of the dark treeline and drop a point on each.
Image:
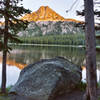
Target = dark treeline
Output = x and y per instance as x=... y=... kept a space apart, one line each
x=69 y=39
x=65 y=39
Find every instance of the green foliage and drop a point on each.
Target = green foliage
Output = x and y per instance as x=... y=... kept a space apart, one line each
x=81 y=86
x=66 y=39
x=10 y=11
x=98 y=84
x=4 y=97
x=7 y=90
x=98 y=98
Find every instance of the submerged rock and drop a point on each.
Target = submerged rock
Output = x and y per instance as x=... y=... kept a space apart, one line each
x=46 y=79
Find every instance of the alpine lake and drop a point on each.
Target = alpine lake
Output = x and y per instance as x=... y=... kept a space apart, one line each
x=22 y=55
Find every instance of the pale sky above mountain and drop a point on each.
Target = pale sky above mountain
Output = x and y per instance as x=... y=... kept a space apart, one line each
x=60 y=6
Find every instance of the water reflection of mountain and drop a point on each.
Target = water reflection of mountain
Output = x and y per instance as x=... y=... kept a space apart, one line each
x=28 y=54
x=24 y=55
x=13 y=63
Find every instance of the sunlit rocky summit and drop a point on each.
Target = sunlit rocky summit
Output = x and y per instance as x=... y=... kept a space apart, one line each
x=46 y=21
x=45 y=13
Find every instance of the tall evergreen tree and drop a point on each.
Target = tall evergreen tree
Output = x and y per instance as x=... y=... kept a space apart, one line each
x=10 y=11
x=91 y=75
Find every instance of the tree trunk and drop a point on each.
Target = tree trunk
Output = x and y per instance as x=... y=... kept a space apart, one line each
x=90 y=51
x=3 y=84
x=5 y=48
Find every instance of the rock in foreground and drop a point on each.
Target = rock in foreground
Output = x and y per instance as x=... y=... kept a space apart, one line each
x=46 y=79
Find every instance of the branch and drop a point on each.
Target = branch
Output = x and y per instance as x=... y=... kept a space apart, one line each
x=72 y=6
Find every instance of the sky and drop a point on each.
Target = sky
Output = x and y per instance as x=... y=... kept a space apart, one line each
x=60 y=6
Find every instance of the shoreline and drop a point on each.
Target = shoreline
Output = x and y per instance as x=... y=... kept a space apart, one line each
x=51 y=45
x=47 y=45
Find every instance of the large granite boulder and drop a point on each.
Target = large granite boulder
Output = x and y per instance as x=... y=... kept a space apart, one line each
x=46 y=79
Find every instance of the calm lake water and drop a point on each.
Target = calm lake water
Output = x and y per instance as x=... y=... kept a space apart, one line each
x=21 y=56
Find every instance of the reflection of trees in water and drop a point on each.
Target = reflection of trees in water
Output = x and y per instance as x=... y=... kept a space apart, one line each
x=26 y=57
x=32 y=54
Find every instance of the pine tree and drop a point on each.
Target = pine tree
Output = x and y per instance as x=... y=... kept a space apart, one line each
x=91 y=75
x=10 y=11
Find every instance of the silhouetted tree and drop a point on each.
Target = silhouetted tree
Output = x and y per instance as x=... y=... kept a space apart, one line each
x=91 y=75
x=10 y=11
x=96 y=14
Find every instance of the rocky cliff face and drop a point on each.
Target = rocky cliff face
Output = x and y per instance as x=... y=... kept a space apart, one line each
x=46 y=21
x=51 y=27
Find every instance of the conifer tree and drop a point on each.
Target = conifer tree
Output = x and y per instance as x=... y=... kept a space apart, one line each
x=10 y=12
x=91 y=74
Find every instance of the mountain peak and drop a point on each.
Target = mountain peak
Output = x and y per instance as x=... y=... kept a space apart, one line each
x=44 y=7
x=44 y=13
